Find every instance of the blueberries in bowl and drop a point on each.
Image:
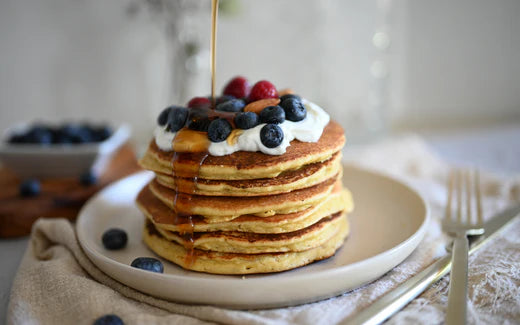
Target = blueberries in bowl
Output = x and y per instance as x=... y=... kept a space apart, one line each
x=114 y=238
x=246 y=120
x=69 y=133
x=272 y=114
x=148 y=264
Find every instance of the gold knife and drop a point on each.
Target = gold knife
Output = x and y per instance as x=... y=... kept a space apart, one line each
x=396 y=299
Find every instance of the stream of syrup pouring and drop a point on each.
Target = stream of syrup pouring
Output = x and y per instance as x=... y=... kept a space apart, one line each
x=195 y=160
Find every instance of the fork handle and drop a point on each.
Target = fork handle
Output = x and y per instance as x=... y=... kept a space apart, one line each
x=458 y=289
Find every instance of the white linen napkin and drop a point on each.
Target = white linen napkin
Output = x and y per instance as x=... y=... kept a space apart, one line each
x=57 y=284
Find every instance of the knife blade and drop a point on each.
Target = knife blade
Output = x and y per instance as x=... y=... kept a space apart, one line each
x=399 y=297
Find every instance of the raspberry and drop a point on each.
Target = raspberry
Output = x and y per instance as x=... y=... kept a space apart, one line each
x=261 y=90
x=199 y=102
x=237 y=87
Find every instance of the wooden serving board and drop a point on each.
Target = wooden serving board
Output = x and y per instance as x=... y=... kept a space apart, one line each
x=59 y=198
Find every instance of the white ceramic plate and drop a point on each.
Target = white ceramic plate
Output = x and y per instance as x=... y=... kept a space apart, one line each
x=387 y=224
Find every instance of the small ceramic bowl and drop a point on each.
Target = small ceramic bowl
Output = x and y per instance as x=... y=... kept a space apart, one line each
x=57 y=160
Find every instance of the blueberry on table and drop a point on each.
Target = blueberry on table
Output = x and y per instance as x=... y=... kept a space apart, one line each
x=272 y=114
x=246 y=120
x=30 y=188
x=148 y=264
x=114 y=238
x=177 y=117
x=219 y=130
x=284 y=97
x=271 y=135
x=110 y=319
x=294 y=109
x=234 y=105
x=88 y=178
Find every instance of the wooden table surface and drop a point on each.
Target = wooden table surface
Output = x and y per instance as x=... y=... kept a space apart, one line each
x=59 y=198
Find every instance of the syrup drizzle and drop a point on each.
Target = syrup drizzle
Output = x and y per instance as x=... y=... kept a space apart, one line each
x=184 y=219
x=214 y=16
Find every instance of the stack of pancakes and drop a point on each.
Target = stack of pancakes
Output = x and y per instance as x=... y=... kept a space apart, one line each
x=247 y=212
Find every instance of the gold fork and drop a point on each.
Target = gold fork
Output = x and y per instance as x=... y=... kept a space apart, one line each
x=459 y=228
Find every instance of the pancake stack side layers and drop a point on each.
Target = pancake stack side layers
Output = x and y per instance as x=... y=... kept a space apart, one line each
x=249 y=184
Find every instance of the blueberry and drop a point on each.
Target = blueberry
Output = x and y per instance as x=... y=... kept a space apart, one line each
x=110 y=319
x=83 y=136
x=198 y=120
x=70 y=129
x=17 y=139
x=87 y=178
x=271 y=135
x=61 y=138
x=30 y=188
x=234 y=105
x=39 y=134
x=76 y=133
x=114 y=238
x=246 y=120
x=177 y=117
x=224 y=98
x=148 y=264
x=163 y=117
x=284 y=97
x=219 y=130
x=294 y=109
x=101 y=133
x=272 y=114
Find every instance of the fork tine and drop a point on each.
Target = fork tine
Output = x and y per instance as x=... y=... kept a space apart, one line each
x=459 y=195
x=447 y=214
x=478 y=195
x=467 y=177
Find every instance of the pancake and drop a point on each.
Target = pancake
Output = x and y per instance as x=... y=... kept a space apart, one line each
x=164 y=218
x=245 y=164
x=224 y=208
x=304 y=177
x=251 y=243
x=236 y=263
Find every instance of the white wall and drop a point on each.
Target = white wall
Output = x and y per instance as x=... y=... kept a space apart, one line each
x=462 y=62
x=448 y=61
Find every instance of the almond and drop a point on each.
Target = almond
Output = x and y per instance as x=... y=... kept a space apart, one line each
x=286 y=91
x=259 y=105
x=233 y=137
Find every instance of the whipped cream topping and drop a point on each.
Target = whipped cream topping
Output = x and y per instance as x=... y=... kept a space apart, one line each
x=306 y=130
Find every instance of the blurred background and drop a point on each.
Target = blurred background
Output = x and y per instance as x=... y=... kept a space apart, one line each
x=379 y=66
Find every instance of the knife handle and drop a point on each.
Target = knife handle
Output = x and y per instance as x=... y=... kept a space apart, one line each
x=458 y=291
x=399 y=297
x=396 y=299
